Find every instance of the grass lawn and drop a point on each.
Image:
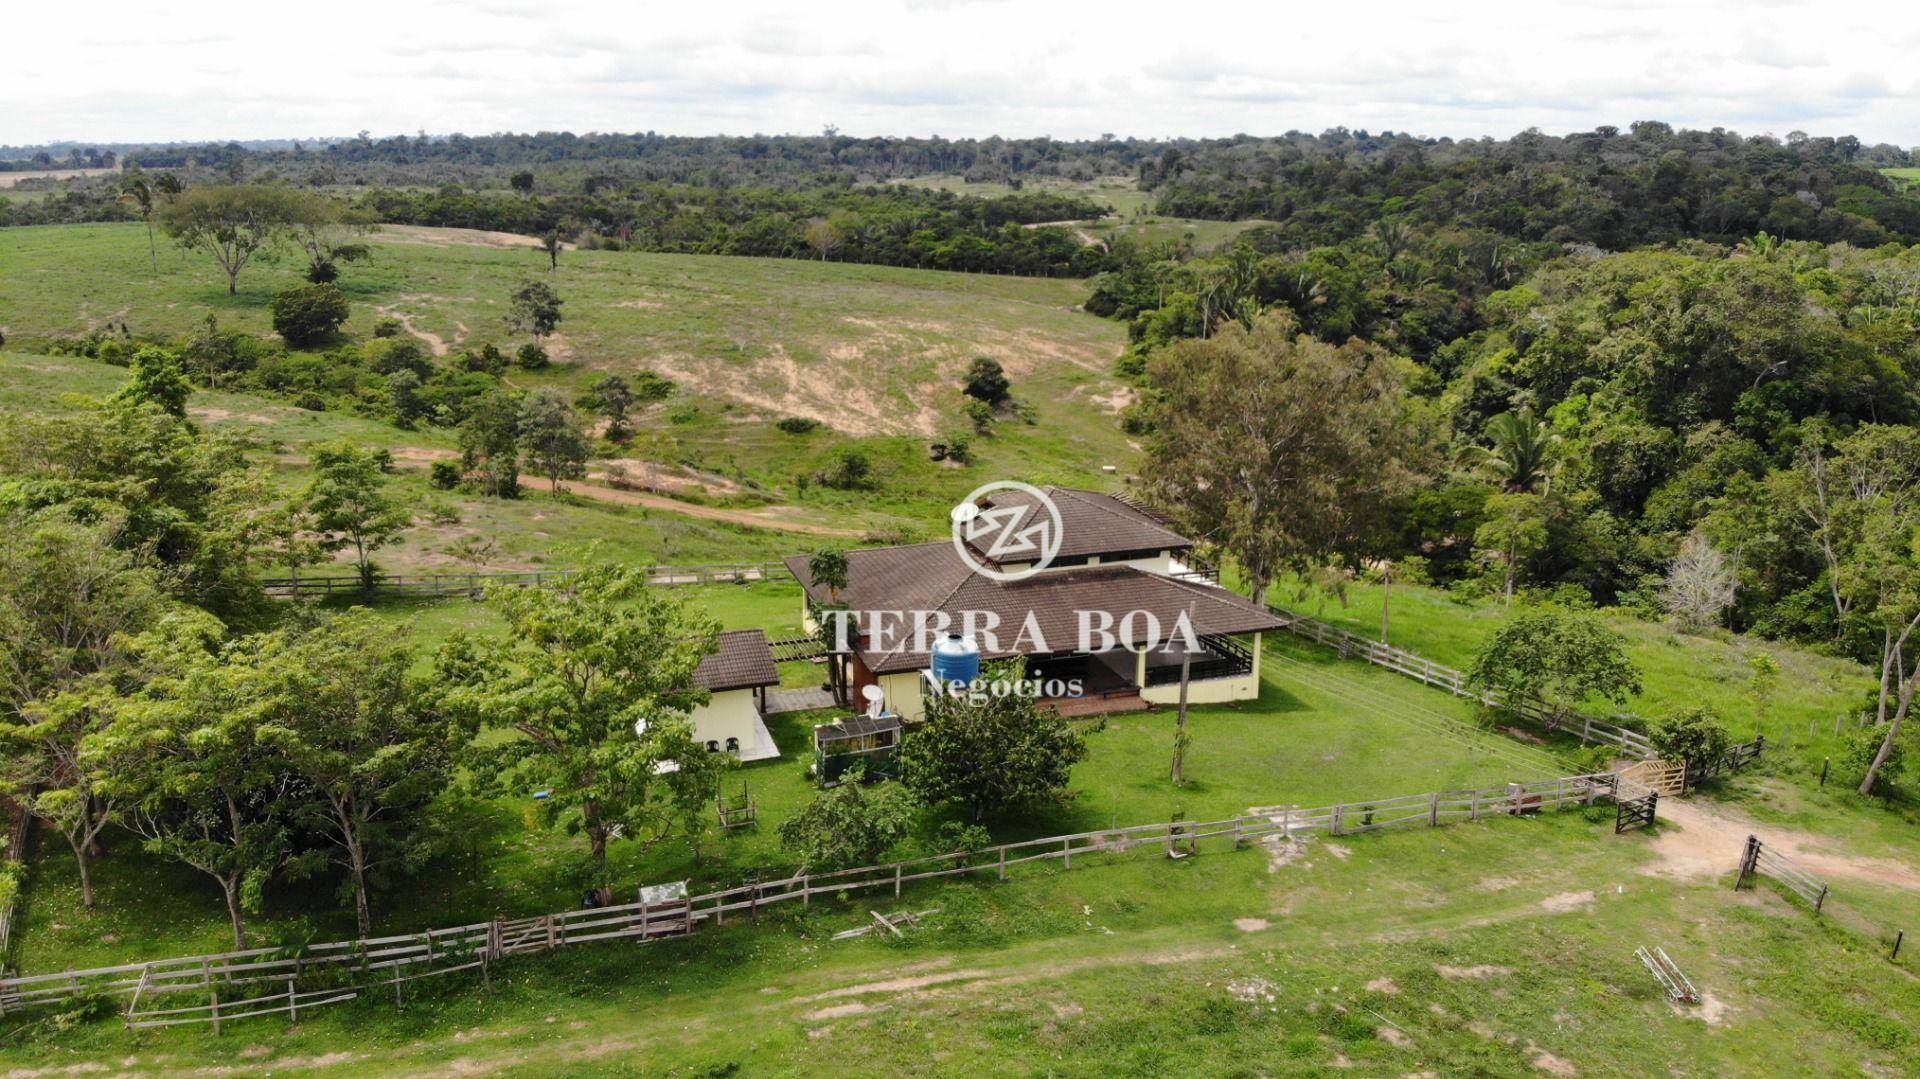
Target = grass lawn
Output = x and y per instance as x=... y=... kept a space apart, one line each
x=1297 y=744
x=1500 y=948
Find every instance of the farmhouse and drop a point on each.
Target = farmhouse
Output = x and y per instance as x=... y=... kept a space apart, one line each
x=736 y=675
x=1118 y=566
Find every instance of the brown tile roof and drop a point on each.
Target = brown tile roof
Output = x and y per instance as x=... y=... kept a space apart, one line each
x=1057 y=597
x=916 y=576
x=1093 y=523
x=743 y=660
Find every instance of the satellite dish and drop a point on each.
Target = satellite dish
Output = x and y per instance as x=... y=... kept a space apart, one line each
x=875 y=697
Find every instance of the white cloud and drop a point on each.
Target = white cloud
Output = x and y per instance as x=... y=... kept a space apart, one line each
x=1067 y=68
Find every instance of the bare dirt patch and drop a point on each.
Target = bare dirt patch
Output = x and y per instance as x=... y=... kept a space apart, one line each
x=12 y=179
x=839 y=1011
x=1698 y=842
x=1393 y=1036
x=434 y=342
x=897 y=985
x=1567 y=901
x=1547 y=1062
x=1476 y=973
x=448 y=237
x=1250 y=925
x=1383 y=985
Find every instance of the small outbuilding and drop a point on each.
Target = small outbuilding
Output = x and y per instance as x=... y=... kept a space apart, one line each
x=737 y=675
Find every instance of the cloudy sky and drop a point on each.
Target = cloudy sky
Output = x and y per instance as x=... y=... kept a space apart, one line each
x=157 y=70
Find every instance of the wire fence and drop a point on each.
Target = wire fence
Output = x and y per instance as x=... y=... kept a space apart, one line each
x=1759 y=859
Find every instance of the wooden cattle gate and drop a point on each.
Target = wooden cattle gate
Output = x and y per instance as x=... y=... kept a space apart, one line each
x=1759 y=858
x=271 y=981
x=1587 y=728
x=1635 y=805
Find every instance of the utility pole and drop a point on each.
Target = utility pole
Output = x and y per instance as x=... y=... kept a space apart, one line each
x=1386 y=596
x=1180 y=727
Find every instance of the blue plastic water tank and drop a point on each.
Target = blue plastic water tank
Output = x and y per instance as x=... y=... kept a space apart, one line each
x=955 y=659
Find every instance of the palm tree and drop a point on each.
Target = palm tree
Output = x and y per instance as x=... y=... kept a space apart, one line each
x=1763 y=246
x=138 y=193
x=1520 y=459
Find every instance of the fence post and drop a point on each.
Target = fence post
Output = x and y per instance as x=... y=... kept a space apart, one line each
x=1897 y=938
x=293 y=1003
x=1821 y=901
x=1003 y=863
x=1433 y=811
x=1066 y=854
x=1749 y=862
x=1338 y=809
x=896 y=880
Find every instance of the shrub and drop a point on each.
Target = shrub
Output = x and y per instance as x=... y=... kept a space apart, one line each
x=849 y=469
x=1693 y=735
x=443 y=475
x=798 y=425
x=387 y=327
x=848 y=826
x=311 y=401
x=960 y=447
x=308 y=314
x=987 y=381
x=1858 y=751
x=485 y=360
x=532 y=357
x=980 y=414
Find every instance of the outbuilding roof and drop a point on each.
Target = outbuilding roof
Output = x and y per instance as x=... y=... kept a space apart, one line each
x=742 y=660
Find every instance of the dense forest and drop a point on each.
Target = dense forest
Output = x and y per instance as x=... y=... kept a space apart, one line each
x=1619 y=343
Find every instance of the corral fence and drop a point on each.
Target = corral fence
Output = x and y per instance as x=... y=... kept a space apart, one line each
x=266 y=981
x=1352 y=645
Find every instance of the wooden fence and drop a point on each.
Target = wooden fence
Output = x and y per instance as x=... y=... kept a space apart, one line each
x=261 y=981
x=429 y=585
x=1587 y=728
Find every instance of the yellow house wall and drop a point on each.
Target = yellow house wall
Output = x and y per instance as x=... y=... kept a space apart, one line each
x=1210 y=691
x=903 y=692
x=729 y=714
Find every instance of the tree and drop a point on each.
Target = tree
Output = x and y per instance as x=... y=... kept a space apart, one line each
x=336 y=701
x=490 y=444
x=534 y=308
x=551 y=434
x=232 y=223
x=550 y=243
x=828 y=567
x=987 y=381
x=1693 y=735
x=309 y=314
x=613 y=398
x=1700 y=583
x=1521 y=459
x=68 y=600
x=349 y=505
x=329 y=233
x=596 y=679
x=1557 y=657
x=135 y=191
x=1515 y=528
x=1280 y=449
x=183 y=757
x=824 y=236
x=848 y=826
x=521 y=182
x=157 y=380
x=990 y=753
